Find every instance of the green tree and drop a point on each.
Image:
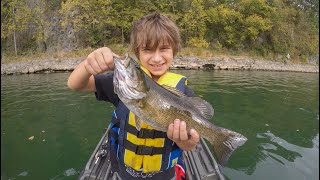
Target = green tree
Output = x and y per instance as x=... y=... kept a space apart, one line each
x=17 y=16
x=38 y=23
x=88 y=19
x=193 y=24
x=264 y=26
x=238 y=24
x=225 y=25
x=124 y=12
x=293 y=31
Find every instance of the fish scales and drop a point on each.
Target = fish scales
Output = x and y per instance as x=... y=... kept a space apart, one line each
x=167 y=107
x=158 y=107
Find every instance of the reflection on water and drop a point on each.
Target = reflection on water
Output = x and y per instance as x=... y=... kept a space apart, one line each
x=276 y=111
x=281 y=160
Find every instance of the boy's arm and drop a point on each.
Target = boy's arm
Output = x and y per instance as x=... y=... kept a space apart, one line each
x=99 y=61
x=81 y=80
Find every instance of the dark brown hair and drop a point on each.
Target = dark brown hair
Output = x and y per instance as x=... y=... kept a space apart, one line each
x=151 y=29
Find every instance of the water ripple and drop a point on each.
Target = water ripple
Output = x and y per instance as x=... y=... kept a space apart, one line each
x=268 y=108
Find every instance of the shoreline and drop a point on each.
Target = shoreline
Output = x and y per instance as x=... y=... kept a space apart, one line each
x=187 y=62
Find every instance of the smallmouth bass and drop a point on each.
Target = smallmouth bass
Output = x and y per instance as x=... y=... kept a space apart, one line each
x=159 y=106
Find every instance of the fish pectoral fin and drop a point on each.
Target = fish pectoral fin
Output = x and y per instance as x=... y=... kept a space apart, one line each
x=138 y=122
x=205 y=108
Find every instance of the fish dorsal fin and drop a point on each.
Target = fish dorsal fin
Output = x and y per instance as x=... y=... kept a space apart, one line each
x=174 y=90
x=205 y=108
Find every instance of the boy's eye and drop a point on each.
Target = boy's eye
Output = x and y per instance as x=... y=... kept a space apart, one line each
x=146 y=49
x=165 y=47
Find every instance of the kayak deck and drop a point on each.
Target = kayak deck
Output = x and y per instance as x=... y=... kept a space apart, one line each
x=200 y=164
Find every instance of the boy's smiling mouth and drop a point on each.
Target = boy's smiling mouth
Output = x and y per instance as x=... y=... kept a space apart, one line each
x=157 y=65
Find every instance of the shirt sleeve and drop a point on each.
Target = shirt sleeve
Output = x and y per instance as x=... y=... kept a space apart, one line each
x=104 y=88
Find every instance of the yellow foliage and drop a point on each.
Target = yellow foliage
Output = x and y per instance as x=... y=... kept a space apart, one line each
x=198 y=42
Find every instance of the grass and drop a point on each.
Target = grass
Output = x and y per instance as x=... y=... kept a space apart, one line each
x=29 y=56
x=11 y=58
x=207 y=53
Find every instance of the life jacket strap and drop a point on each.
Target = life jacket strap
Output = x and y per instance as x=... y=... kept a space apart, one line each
x=113 y=134
x=148 y=150
x=116 y=122
x=145 y=133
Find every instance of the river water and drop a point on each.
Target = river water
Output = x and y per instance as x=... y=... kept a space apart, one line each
x=277 y=111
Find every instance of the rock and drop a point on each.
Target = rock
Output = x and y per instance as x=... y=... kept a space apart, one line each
x=186 y=62
x=314 y=60
x=209 y=66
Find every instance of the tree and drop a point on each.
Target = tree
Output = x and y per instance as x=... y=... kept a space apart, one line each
x=15 y=18
x=263 y=26
x=193 y=24
x=293 y=31
x=38 y=23
x=225 y=25
x=88 y=19
x=238 y=24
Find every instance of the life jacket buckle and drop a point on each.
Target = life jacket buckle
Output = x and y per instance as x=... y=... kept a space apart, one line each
x=144 y=150
x=140 y=133
x=145 y=133
x=138 y=150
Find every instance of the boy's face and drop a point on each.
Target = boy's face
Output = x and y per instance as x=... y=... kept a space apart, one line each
x=157 y=60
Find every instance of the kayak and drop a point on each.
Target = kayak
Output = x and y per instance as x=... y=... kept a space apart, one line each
x=200 y=163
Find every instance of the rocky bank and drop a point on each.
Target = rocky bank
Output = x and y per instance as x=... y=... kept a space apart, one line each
x=213 y=63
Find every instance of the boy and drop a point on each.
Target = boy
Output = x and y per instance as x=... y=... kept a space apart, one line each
x=155 y=40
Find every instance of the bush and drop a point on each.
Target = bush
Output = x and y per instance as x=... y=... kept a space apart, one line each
x=198 y=42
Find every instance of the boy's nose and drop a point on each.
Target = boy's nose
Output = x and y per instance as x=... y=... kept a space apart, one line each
x=157 y=57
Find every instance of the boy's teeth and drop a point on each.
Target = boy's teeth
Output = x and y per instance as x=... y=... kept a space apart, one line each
x=157 y=65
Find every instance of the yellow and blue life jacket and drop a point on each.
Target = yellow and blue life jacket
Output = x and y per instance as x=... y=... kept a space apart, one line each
x=147 y=149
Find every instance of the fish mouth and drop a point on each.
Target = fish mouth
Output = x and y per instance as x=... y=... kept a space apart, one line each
x=125 y=60
x=121 y=62
x=121 y=65
x=126 y=80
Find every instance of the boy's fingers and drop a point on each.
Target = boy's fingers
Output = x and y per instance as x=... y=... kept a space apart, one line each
x=89 y=68
x=183 y=131
x=92 y=61
x=194 y=136
x=176 y=130
x=102 y=62
x=108 y=57
x=98 y=62
x=170 y=131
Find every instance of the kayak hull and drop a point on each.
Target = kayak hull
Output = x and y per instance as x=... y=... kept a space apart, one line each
x=200 y=163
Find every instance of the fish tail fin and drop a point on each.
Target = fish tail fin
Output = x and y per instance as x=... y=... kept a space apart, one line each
x=224 y=143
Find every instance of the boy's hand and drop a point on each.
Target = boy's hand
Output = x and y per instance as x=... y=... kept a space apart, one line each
x=99 y=61
x=177 y=132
